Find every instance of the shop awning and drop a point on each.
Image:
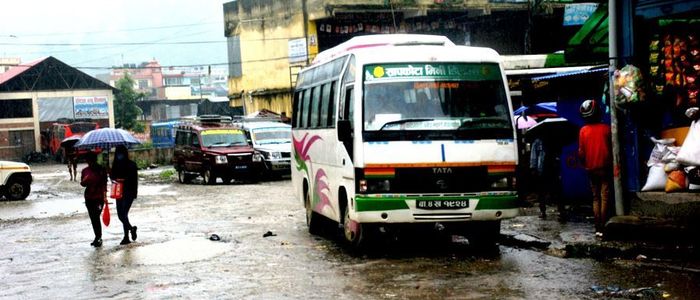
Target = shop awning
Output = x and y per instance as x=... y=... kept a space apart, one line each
x=590 y=43
x=572 y=73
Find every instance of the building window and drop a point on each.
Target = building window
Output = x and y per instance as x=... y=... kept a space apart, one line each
x=143 y=84
x=16 y=108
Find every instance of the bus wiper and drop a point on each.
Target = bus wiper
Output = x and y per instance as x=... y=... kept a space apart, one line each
x=467 y=123
x=404 y=121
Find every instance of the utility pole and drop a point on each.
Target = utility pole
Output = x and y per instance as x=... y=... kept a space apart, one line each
x=613 y=55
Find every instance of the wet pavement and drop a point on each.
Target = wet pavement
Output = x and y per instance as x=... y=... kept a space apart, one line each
x=46 y=253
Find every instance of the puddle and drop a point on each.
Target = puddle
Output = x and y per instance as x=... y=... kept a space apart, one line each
x=171 y=252
x=153 y=190
x=12 y=210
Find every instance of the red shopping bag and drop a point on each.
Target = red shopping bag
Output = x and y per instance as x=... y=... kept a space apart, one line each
x=117 y=189
x=105 y=214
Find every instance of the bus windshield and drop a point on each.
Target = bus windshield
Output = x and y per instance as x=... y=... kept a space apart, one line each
x=434 y=97
x=223 y=138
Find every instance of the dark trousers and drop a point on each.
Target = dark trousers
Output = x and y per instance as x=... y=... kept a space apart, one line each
x=123 y=206
x=94 y=208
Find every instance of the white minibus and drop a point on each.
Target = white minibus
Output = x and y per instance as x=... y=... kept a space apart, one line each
x=400 y=130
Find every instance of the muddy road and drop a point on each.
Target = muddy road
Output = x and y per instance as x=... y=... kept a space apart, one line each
x=46 y=253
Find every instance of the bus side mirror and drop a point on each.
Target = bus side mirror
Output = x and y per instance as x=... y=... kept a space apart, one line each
x=344 y=131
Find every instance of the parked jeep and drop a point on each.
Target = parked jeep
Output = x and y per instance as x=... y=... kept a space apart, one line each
x=274 y=141
x=15 y=180
x=213 y=148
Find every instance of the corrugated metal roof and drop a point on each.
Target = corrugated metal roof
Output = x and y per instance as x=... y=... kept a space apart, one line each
x=16 y=70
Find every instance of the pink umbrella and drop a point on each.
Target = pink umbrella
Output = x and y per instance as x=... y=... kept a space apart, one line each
x=524 y=122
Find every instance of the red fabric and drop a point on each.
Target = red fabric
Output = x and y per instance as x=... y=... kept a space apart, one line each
x=594 y=147
x=94 y=179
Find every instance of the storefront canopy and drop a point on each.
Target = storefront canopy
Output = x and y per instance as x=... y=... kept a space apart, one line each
x=590 y=43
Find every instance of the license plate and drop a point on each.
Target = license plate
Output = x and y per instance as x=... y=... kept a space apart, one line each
x=442 y=204
x=240 y=167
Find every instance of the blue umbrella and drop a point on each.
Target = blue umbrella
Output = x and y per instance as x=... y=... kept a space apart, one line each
x=106 y=138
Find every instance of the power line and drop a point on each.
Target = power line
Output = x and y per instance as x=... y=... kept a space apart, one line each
x=118 y=30
x=112 y=44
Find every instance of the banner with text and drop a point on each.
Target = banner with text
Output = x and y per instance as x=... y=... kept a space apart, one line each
x=91 y=107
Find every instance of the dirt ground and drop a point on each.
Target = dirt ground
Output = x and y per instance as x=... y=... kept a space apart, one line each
x=46 y=253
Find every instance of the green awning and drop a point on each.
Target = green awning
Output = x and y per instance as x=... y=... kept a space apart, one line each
x=590 y=43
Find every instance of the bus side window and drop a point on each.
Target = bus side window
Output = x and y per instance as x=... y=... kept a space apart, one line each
x=325 y=105
x=195 y=140
x=304 y=112
x=315 y=106
x=296 y=111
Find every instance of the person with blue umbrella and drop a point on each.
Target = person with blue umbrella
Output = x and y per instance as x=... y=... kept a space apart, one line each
x=123 y=172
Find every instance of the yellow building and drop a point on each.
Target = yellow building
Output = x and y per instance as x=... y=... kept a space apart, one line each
x=270 y=41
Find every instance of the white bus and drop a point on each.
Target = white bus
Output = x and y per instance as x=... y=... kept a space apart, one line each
x=396 y=130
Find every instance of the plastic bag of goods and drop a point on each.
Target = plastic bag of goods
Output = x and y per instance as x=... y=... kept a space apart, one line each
x=656 y=180
x=660 y=150
x=689 y=154
x=676 y=182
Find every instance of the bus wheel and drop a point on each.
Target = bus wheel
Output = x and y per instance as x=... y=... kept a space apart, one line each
x=312 y=218
x=353 y=232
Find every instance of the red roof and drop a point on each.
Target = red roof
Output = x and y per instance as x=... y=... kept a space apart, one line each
x=14 y=71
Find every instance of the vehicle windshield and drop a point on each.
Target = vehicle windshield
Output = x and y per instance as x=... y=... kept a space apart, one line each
x=223 y=138
x=434 y=97
x=82 y=127
x=266 y=136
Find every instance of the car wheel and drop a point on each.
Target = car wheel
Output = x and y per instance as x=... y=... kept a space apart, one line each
x=182 y=177
x=312 y=218
x=208 y=177
x=17 y=189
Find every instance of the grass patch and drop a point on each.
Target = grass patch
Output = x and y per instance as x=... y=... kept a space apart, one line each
x=167 y=174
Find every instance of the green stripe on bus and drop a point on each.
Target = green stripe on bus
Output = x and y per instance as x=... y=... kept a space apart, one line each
x=393 y=203
x=497 y=202
x=380 y=203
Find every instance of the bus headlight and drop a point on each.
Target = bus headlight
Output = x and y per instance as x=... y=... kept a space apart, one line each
x=502 y=182
x=374 y=186
x=275 y=155
x=257 y=157
x=220 y=159
x=363 y=186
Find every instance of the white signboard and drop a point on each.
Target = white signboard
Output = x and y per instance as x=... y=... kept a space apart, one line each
x=297 y=50
x=91 y=107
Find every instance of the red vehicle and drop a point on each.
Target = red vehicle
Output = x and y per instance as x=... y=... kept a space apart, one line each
x=59 y=131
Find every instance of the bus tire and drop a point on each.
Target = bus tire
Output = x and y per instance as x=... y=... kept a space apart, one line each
x=312 y=218
x=355 y=234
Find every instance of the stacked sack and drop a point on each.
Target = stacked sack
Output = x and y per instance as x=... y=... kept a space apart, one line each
x=673 y=168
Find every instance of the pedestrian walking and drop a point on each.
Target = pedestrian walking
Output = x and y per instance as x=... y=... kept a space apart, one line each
x=94 y=179
x=125 y=172
x=71 y=158
x=544 y=164
x=595 y=153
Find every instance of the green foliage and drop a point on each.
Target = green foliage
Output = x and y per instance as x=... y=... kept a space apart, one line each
x=142 y=164
x=125 y=109
x=145 y=145
x=167 y=174
x=139 y=127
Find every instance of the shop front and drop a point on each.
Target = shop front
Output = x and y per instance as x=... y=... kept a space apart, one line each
x=662 y=39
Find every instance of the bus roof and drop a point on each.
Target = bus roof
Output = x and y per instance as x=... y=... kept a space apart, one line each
x=433 y=46
x=388 y=48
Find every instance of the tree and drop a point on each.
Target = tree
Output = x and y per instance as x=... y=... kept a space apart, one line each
x=125 y=109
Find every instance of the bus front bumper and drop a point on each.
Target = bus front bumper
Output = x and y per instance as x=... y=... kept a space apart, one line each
x=401 y=208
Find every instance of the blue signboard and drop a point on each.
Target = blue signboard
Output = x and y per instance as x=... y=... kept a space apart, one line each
x=578 y=13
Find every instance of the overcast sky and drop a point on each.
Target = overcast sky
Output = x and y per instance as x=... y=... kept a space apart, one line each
x=78 y=23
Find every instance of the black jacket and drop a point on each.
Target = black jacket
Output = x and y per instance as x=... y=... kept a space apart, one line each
x=127 y=171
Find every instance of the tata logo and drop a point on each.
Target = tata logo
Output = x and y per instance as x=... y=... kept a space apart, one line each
x=442 y=170
x=441 y=184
